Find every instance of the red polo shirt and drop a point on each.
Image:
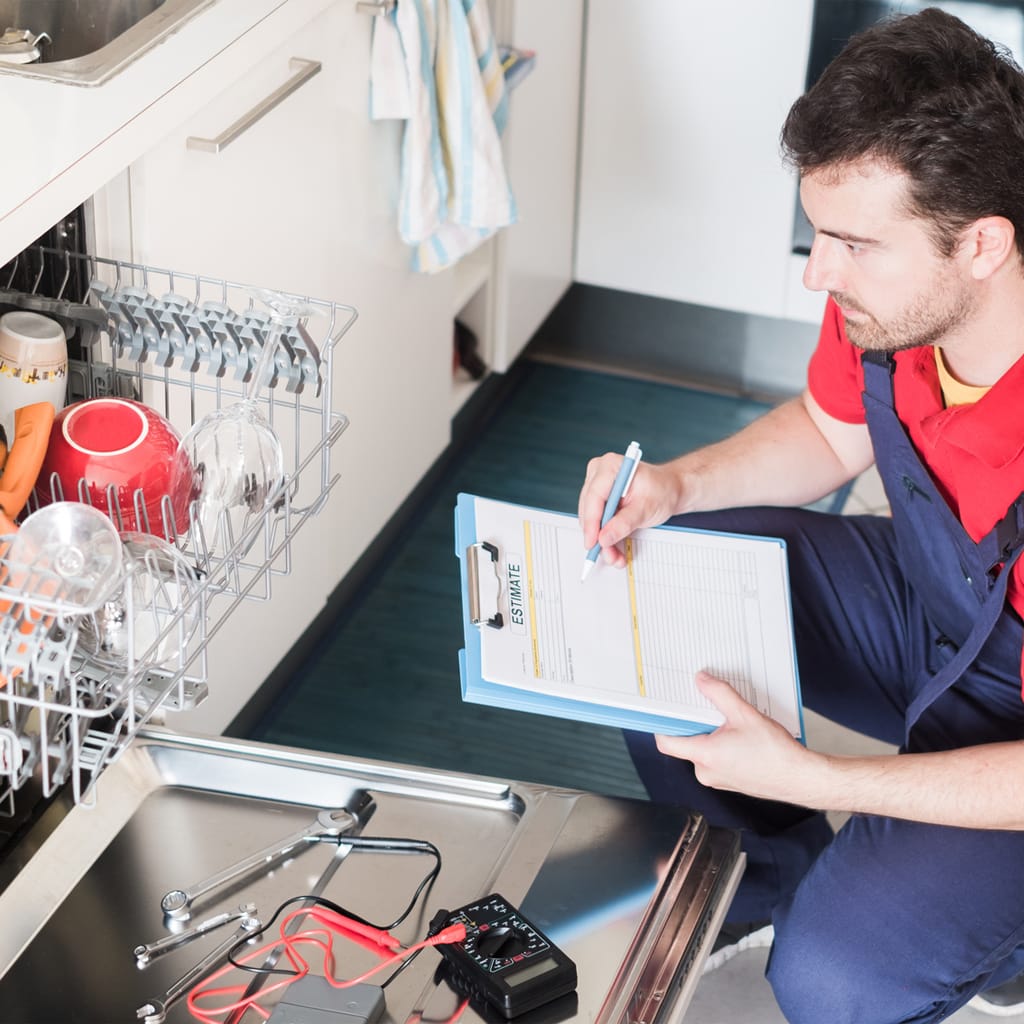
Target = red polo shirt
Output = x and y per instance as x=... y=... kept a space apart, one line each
x=975 y=453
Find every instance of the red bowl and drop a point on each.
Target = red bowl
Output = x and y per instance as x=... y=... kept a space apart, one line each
x=121 y=457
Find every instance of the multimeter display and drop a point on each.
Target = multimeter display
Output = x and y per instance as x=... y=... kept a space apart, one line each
x=504 y=959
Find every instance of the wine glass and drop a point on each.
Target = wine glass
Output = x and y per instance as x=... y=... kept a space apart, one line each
x=66 y=558
x=64 y=561
x=235 y=453
x=160 y=587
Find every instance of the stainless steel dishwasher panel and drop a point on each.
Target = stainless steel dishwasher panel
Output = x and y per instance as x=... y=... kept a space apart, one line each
x=626 y=888
x=173 y=813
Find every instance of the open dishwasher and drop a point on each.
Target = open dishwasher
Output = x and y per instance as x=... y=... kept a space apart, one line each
x=139 y=859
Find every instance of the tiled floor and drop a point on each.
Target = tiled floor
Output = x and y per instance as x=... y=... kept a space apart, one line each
x=738 y=991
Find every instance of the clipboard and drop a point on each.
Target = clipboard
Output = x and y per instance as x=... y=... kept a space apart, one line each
x=485 y=611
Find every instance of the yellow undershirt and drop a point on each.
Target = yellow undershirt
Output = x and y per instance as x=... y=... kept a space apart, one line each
x=953 y=392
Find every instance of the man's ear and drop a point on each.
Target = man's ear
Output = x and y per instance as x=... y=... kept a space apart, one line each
x=988 y=243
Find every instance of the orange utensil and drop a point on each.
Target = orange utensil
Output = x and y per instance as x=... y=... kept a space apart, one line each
x=20 y=462
x=24 y=457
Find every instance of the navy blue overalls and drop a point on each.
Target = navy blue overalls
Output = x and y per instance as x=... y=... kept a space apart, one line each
x=903 y=634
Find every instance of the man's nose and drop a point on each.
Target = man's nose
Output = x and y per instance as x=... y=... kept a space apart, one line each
x=823 y=272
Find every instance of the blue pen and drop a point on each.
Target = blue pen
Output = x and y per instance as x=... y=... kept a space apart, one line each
x=623 y=479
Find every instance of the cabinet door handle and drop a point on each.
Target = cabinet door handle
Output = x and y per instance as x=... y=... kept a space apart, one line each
x=304 y=70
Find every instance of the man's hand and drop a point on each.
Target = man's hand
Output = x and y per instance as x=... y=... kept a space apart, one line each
x=973 y=787
x=652 y=498
x=793 y=455
x=749 y=753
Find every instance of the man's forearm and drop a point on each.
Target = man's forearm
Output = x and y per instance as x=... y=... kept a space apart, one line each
x=973 y=787
x=782 y=458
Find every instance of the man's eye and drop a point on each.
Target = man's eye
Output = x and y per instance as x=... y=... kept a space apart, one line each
x=854 y=247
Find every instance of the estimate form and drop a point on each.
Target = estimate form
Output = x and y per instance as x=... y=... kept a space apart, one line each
x=634 y=638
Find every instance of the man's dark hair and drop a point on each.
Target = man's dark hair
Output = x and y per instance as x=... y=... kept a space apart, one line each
x=927 y=95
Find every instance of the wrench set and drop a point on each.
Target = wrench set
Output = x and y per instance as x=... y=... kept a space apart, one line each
x=178 y=904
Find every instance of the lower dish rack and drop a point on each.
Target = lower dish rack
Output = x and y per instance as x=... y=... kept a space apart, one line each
x=91 y=651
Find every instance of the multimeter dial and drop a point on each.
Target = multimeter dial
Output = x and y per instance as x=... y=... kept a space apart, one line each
x=504 y=942
x=497 y=936
x=504 y=959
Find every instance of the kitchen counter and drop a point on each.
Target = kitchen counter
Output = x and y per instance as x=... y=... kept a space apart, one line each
x=632 y=892
x=65 y=141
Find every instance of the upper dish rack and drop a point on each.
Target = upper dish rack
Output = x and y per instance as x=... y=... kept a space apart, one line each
x=187 y=346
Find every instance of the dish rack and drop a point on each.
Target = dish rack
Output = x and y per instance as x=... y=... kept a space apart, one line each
x=186 y=345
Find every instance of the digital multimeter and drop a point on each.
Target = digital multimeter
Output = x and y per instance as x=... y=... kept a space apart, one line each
x=504 y=959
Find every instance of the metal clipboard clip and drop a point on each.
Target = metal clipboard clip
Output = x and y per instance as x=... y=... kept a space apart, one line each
x=484 y=587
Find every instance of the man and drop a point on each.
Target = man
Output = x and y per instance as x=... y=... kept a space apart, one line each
x=910 y=150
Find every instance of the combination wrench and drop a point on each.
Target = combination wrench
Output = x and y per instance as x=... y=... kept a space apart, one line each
x=155 y=1010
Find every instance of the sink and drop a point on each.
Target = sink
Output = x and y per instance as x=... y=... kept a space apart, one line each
x=88 y=41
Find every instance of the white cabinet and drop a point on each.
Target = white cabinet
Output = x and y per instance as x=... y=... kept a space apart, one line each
x=505 y=290
x=303 y=201
x=536 y=256
x=682 y=191
x=82 y=136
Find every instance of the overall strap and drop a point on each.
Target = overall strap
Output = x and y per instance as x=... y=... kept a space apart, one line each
x=988 y=615
x=1004 y=538
x=879 y=371
x=997 y=551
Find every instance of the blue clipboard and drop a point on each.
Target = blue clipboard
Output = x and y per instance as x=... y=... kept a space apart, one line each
x=479 y=612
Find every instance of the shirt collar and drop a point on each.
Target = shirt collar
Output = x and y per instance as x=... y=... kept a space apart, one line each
x=981 y=429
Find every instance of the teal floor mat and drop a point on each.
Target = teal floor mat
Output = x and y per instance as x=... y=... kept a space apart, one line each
x=385 y=682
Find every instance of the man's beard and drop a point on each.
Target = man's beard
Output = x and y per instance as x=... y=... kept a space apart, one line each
x=927 y=320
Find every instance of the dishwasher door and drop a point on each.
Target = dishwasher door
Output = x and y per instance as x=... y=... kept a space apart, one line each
x=632 y=892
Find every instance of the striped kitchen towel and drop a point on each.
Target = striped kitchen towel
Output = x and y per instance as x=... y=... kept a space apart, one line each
x=454 y=191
